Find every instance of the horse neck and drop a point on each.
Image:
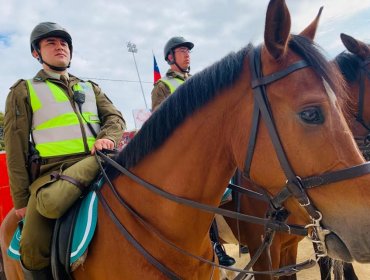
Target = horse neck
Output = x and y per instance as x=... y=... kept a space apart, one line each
x=196 y=162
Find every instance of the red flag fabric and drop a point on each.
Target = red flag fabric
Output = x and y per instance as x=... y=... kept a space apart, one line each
x=157 y=73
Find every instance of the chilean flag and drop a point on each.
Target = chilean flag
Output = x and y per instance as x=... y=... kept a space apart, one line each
x=157 y=73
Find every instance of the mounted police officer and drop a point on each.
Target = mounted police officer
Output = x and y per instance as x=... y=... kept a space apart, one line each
x=67 y=120
x=177 y=54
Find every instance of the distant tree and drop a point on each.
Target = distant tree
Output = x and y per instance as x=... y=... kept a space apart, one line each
x=2 y=145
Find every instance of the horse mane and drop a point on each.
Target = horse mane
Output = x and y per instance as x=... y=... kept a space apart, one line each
x=197 y=91
x=349 y=65
x=201 y=88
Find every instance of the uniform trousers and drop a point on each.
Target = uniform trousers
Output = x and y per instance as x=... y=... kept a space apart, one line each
x=49 y=200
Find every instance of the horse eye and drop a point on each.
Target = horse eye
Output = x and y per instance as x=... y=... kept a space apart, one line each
x=312 y=115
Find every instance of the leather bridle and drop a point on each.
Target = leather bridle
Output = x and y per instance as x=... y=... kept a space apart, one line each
x=295 y=186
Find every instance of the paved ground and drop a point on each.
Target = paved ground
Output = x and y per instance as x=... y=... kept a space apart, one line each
x=305 y=251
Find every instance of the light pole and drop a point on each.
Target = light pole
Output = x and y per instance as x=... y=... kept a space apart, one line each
x=132 y=49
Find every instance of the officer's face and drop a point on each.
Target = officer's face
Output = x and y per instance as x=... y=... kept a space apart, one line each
x=55 y=51
x=182 y=56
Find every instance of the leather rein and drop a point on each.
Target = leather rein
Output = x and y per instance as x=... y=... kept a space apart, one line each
x=295 y=186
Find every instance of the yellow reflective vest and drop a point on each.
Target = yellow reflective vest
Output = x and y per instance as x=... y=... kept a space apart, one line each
x=57 y=129
x=172 y=83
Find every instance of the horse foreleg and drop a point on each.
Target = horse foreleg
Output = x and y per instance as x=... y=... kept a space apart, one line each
x=325 y=268
x=288 y=256
x=12 y=268
x=349 y=272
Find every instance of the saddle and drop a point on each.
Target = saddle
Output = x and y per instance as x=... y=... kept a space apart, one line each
x=72 y=234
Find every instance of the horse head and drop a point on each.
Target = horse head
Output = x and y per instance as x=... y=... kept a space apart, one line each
x=354 y=65
x=303 y=135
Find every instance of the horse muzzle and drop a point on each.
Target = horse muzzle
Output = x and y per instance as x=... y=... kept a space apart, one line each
x=337 y=249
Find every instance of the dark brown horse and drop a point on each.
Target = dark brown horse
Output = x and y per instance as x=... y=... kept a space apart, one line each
x=302 y=134
x=354 y=65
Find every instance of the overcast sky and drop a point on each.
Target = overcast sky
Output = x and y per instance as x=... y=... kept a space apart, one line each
x=101 y=29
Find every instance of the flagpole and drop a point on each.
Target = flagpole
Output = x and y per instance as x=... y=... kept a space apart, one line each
x=132 y=49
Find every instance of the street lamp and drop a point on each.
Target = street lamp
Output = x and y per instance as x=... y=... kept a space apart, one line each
x=132 y=49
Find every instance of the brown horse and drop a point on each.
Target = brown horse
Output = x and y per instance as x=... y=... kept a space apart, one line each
x=354 y=67
x=176 y=151
x=7 y=228
x=284 y=247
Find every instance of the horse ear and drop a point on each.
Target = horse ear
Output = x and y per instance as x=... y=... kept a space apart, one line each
x=277 y=28
x=355 y=46
x=310 y=31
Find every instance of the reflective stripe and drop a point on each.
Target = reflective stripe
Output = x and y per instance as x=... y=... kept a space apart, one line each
x=35 y=101
x=74 y=146
x=56 y=127
x=51 y=105
x=172 y=83
x=56 y=134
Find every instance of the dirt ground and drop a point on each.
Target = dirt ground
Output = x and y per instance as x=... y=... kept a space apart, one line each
x=305 y=251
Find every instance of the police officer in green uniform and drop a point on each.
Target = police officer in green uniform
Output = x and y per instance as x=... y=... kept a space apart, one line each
x=177 y=54
x=64 y=120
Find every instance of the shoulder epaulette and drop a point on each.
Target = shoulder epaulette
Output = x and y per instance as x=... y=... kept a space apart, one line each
x=93 y=83
x=158 y=81
x=16 y=83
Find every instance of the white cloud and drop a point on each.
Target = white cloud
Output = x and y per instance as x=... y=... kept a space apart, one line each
x=101 y=29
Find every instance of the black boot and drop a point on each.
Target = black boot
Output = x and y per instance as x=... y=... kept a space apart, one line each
x=223 y=258
x=43 y=274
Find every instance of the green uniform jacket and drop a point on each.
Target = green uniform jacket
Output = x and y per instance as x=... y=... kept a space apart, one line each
x=161 y=91
x=17 y=126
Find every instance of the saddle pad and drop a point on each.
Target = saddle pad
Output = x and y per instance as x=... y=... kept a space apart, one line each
x=83 y=231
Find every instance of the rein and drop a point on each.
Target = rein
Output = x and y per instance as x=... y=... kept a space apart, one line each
x=295 y=186
x=171 y=275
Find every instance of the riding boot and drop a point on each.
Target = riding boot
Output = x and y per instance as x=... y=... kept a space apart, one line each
x=43 y=274
x=223 y=258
